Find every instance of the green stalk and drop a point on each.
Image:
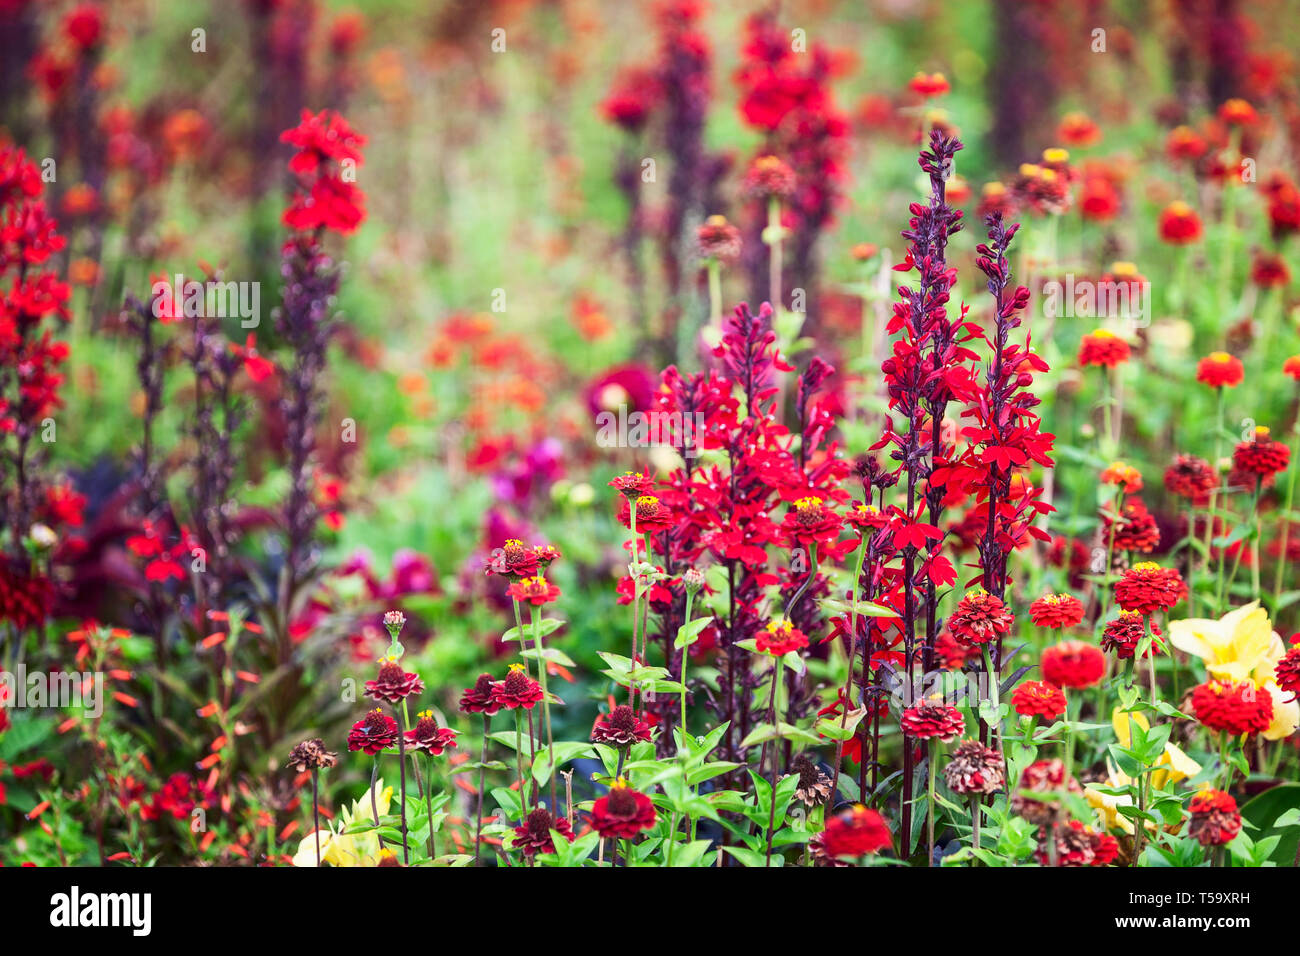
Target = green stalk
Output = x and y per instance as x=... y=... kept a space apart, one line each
x=546 y=698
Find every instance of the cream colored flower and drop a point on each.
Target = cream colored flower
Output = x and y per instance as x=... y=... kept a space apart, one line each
x=338 y=848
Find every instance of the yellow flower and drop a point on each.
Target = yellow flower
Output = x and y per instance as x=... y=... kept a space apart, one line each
x=1241 y=645
x=1175 y=766
x=338 y=848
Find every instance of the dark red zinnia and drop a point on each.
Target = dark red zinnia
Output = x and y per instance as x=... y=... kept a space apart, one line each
x=652 y=515
x=622 y=813
x=1148 y=588
x=1261 y=456
x=1192 y=478
x=534 y=835
x=479 y=699
x=1234 y=707
x=517 y=690
x=621 y=727
x=393 y=684
x=1123 y=635
x=927 y=719
x=372 y=733
x=428 y=737
x=1215 y=818
x=856 y=831
x=980 y=617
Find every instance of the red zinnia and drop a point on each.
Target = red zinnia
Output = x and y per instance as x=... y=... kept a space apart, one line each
x=1147 y=588
x=980 y=617
x=478 y=699
x=1236 y=707
x=781 y=637
x=517 y=690
x=1192 y=478
x=534 y=835
x=1288 y=671
x=393 y=683
x=928 y=720
x=534 y=590
x=372 y=733
x=1123 y=635
x=1056 y=610
x=1215 y=818
x=1291 y=367
x=1077 y=845
x=856 y=831
x=1073 y=664
x=652 y=515
x=633 y=484
x=1042 y=776
x=810 y=522
x=621 y=727
x=1135 y=529
x=1038 y=698
x=428 y=736
x=512 y=559
x=622 y=813
x=1220 y=370
x=1179 y=224
x=1261 y=456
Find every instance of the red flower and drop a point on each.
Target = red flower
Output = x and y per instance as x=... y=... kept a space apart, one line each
x=929 y=84
x=328 y=153
x=1037 y=698
x=1291 y=367
x=535 y=591
x=1235 y=707
x=479 y=699
x=1056 y=610
x=927 y=720
x=1220 y=370
x=1077 y=845
x=1288 y=670
x=1073 y=664
x=780 y=637
x=373 y=733
x=652 y=515
x=512 y=559
x=393 y=685
x=1042 y=776
x=633 y=484
x=1123 y=635
x=809 y=522
x=1126 y=476
x=768 y=176
x=980 y=617
x=1269 y=270
x=1192 y=478
x=1179 y=224
x=622 y=813
x=1077 y=129
x=1148 y=588
x=534 y=835
x=1238 y=112
x=1135 y=528
x=428 y=737
x=84 y=26
x=974 y=769
x=621 y=727
x=517 y=690
x=26 y=599
x=1261 y=456
x=320 y=139
x=856 y=831
x=1215 y=818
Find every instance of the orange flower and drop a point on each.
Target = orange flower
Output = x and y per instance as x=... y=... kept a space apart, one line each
x=1292 y=367
x=1119 y=473
x=1179 y=224
x=1103 y=347
x=929 y=84
x=1237 y=112
x=1077 y=129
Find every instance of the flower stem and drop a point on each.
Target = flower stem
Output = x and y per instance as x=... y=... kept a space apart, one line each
x=478 y=811
x=546 y=700
x=771 y=818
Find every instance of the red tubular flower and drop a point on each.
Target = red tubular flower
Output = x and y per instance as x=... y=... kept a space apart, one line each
x=652 y=515
x=534 y=835
x=373 y=733
x=1215 y=818
x=393 y=684
x=1103 y=348
x=479 y=698
x=1261 y=456
x=781 y=637
x=535 y=591
x=927 y=720
x=1192 y=478
x=979 y=618
x=1235 y=707
x=1073 y=664
x=1077 y=845
x=428 y=737
x=621 y=727
x=856 y=831
x=622 y=813
x=1147 y=588
x=329 y=151
x=1179 y=224
x=1056 y=610
x=1038 y=698
x=1123 y=635
x=1220 y=370
x=517 y=690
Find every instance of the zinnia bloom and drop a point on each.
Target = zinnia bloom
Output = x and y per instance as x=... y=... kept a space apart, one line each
x=312 y=755
x=393 y=684
x=1235 y=707
x=621 y=727
x=517 y=690
x=534 y=835
x=1042 y=776
x=1291 y=367
x=1103 y=347
x=428 y=737
x=781 y=637
x=1077 y=845
x=1215 y=818
x=1288 y=671
x=1123 y=635
x=622 y=813
x=372 y=733
x=535 y=590
x=479 y=699
x=1124 y=475
x=929 y=85
x=769 y=176
x=652 y=515
x=928 y=720
x=1179 y=224
x=1261 y=456
x=810 y=522
x=856 y=831
x=1056 y=610
x=1147 y=588
x=1038 y=698
x=975 y=769
x=980 y=617
x=1220 y=370
x=1073 y=664
x=1135 y=529
x=513 y=560
x=1192 y=478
